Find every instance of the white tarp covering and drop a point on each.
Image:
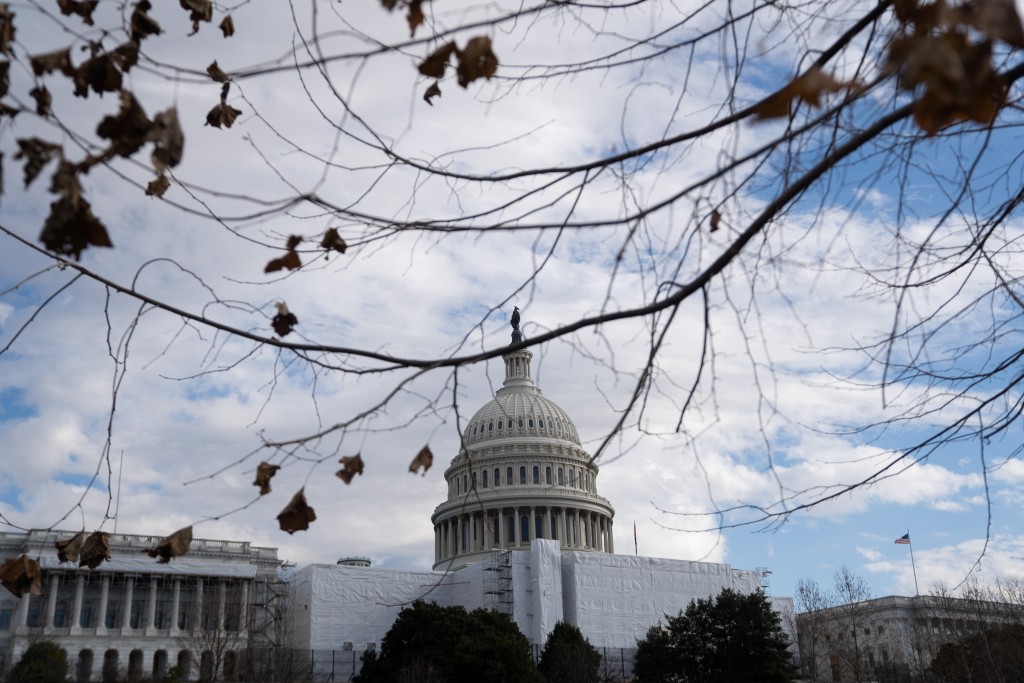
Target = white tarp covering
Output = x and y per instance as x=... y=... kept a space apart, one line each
x=358 y=604
x=615 y=599
x=546 y=586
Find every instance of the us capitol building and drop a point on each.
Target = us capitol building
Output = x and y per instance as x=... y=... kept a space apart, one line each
x=523 y=530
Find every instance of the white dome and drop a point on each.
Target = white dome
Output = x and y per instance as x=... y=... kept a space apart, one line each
x=517 y=412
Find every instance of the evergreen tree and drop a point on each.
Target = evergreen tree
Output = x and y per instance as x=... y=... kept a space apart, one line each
x=568 y=657
x=449 y=644
x=731 y=638
x=43 y=662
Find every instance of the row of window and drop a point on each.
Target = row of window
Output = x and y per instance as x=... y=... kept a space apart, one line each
x=575 y=478
x=558 y=425
x=111 y=671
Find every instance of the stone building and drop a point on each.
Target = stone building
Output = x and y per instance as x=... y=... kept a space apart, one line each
x=892 y=639
x=134 y=617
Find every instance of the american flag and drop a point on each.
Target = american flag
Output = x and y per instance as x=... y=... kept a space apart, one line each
x=904 y=539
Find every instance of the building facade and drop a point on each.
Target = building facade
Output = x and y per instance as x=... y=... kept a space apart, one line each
x=892 y=639
x=134 y=617
x=521 y=475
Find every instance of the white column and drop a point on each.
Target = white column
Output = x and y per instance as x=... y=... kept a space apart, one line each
x=101 y=624
x=222 y=598
x=501 y=527
x=76 y=609
x=51 y=600
x=611 y=537
x=151 y=605
x=547 y=523
x=175 y=604
x=23 y=610
x=198 y=623
x=243 y=608
x=579 y=530
x=126 y=610
x=532 y=525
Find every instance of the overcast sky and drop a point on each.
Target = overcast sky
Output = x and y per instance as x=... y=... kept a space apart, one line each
x=772 y=412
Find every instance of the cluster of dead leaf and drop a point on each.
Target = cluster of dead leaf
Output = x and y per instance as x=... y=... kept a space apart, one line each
x=71 y=226
x=298 y=514
x=285 y=320
x=942 y=53
x=21 y=575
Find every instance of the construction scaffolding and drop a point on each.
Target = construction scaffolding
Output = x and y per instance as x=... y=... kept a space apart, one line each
x=497 y=583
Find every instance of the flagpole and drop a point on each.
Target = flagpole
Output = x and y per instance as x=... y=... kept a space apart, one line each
x=917 y=591
x=636 y=550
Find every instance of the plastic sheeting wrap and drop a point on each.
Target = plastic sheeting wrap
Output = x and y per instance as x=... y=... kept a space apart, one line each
x=358 y=604
x=546 y=587
x=615 y=599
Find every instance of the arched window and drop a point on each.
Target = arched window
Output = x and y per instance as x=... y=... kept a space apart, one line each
x=206 y=666
x=579 y=478
x=531 y=423
x=485 y=479
x=497 y=477
x=135 y=665
x=501 y=423
x=474 y=480
x=524 y=527
x=465 y=484
x=547 y=475
x=159 y=665
x=540 y=423
x=185 y=665
x=508 y=477
x=110 y=662
x=520 y=423
x=510 y=423
x=561 y=477
x=83 y=673
x=511 y=531
x=571 y=483
x=465 y=536
x=490 y=426
x=231 y=666
x=536 y=474
x=522 y=475
x=474 y=431
x=538 y=526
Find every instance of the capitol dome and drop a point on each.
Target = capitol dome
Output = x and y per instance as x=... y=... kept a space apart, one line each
x=522 y=474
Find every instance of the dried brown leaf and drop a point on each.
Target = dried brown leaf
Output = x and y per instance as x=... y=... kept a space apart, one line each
x=297 y=515
x=351 y=465
x=43 y=100
x=6 y=28
x=60 y=60
x=21 y=575
x=424 y=459
x=216 y=73
x=126 y=55
x=127 y=130
x=433 y=91
x=264 y=473
x=69 y=549
x=95 y=550
x=476 y=60
x=83 y=8
x=71 y=225
x=36 y=153
x=716 y=219
x=99 y=73
x=808 y=88
x=332 y=241
x=284 y=321
x=5 y=77
x=167 y=138
x=199 y=10
x=415 y=16
x=999 y=20
x=157 y=186
x=172 y=546
x=227 y=26
x=434 y=65
x=142 y=24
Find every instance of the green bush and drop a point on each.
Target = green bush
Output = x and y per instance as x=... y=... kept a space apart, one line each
x=43 y=662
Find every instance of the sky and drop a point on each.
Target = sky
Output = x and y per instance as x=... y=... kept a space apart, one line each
x=130 y=418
